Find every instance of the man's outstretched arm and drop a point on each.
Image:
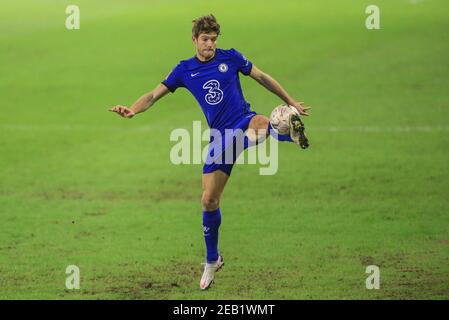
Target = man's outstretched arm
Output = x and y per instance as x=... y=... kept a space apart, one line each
x=272 y=85
x=142 y=104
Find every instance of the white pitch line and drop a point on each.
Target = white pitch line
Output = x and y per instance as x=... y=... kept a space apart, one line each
x=65 y=127
x=362 y=129
x=378 y=129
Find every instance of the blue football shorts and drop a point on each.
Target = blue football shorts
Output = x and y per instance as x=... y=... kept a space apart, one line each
x=221 y=161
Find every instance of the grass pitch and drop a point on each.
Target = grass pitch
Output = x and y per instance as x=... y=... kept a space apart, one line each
x=81 y=186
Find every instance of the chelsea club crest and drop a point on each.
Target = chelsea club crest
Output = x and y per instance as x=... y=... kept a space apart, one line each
x=223 y=67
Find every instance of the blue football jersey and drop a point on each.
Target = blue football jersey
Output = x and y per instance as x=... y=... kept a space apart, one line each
x=216 y=86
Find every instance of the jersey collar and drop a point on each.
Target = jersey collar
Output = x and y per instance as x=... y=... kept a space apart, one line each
x=210 y=60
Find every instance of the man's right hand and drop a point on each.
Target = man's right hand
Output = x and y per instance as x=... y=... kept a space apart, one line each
x=123 y=111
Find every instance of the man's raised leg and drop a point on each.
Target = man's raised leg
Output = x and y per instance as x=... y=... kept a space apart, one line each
x=260 y=128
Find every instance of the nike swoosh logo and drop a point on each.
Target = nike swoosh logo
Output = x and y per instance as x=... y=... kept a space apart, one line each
x=194 y=74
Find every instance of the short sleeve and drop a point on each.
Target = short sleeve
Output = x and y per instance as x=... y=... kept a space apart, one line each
x=243 y=64
x=174 y=79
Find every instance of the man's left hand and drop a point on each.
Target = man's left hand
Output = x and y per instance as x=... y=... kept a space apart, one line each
x=301 y=107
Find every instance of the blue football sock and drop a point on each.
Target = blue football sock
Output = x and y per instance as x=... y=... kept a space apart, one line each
x=280 y=137
x=211 y=223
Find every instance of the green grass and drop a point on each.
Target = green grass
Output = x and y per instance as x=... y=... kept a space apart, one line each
x=81 y=186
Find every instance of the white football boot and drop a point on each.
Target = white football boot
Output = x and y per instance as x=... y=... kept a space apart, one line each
x=297 y=131
x=209 y=273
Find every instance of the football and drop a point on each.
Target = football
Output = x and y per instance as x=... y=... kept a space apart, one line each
x=280 y=118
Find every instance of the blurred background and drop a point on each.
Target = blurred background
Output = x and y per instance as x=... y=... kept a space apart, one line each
x=80 y=186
